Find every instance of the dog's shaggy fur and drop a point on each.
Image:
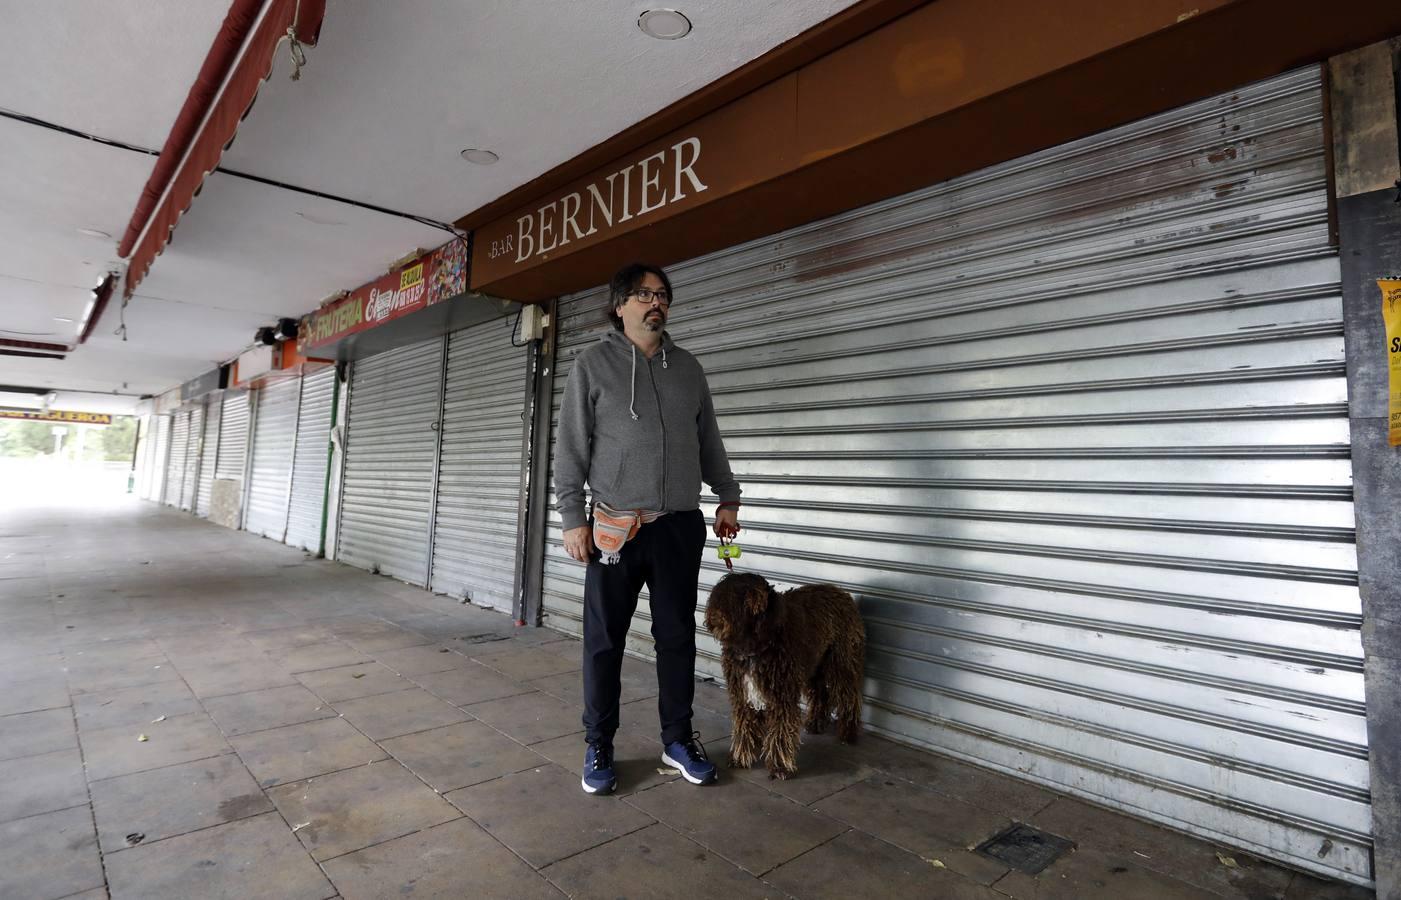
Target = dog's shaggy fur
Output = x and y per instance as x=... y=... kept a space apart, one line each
x=778 y=647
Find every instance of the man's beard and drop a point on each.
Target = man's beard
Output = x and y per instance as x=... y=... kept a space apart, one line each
x=654 y=322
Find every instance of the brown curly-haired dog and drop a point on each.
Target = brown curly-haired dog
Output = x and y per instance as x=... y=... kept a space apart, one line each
x=778 y=647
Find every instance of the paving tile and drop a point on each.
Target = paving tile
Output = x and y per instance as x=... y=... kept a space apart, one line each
x=133 y=706
x=636 y=760
x=350 y=810
x=569 y=687
x=402 y=712
x=349 y=682
x=642 y=717
x=272 y=708
x=460 y=755
x=311 y=657
x=177 y=799
x=544 y=815
x=272 y=639
x=1142 y=845
x=1306 y=887
x=294 y=752
x=524 y=663
x=749 y=826
x=40 y=784
x=235 y=678
x=432 y=864
x=659 y=864
x=530 y=717
x=87 y=677
x=386 y=638
x=43 y=731
x=1019 y=799
x=851 y=864
x=256 y=857
x=473 y=683
x=1091 y=874
x=49 y=856
x=27 y=696
x=107 y=652
x=825 y=766
x=422 y=660
x=29 y=668
x=921 y=821
x=119 y=751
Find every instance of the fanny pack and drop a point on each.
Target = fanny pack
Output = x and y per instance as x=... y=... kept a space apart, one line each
x=613 y=528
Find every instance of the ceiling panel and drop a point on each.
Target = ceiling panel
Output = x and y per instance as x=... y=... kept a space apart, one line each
x=115 y=68
x=394 y=91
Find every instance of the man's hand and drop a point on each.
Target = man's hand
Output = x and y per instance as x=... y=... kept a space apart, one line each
x=726 y=522
x=578 y=542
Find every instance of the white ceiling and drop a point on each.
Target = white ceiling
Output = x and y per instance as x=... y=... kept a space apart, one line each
x=387 y=100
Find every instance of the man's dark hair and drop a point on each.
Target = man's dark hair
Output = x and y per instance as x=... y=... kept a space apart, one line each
x=625 y=281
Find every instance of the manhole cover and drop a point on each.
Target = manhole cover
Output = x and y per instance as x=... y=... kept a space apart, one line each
x=1026 y=849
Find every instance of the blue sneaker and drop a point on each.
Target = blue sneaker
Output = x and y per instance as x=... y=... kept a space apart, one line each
x=689 y=757
x=598 y=769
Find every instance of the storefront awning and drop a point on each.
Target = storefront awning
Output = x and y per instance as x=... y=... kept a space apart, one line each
x=239 y=61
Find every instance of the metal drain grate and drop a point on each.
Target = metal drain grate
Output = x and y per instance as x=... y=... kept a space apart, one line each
x=1026 y=849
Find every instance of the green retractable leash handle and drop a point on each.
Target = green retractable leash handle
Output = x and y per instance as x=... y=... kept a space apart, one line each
x=728 y=549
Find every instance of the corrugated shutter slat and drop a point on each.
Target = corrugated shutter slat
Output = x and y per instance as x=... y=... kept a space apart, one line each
x=387 y=484
x=309 y=462
x=475 y=550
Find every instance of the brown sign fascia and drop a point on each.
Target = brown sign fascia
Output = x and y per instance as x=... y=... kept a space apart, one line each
x=949 y=88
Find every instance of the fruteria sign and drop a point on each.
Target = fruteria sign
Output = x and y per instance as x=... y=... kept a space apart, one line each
x=428 y=280
x=57 y=415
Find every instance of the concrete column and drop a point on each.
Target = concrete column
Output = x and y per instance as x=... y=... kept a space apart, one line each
x=1367 y=169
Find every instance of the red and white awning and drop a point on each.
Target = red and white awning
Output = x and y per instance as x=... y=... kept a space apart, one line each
x=239 y=61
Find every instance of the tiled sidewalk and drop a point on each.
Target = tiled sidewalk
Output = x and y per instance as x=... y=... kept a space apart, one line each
x=191 y=712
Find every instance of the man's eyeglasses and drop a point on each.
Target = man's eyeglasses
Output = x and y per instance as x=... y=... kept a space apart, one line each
x=647 y=296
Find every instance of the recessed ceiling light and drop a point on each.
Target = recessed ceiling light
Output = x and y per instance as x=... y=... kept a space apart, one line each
x=480 y=157
x=93 y=232
x=62 y=319
x=664 y=24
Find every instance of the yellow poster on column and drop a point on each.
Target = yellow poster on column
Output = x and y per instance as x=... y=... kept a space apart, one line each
x=1391 y=315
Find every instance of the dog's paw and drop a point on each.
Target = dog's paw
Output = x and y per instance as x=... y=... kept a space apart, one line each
x=780 y=774
x=737 y=764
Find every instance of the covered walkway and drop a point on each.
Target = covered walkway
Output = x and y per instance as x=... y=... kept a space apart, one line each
x=188 y=711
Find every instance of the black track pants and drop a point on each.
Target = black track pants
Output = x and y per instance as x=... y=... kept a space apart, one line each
x=665 y=556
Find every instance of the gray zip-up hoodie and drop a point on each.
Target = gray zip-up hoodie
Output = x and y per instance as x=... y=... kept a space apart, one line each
x=641 y=432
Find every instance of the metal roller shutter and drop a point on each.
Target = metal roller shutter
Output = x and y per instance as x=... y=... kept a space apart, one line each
x=192 y=458
x=175 y=463
x=270 y=475
x=475 y=549
x=309 y=460
x=209 y=453
x=1075 y=431
x=390 y=455
x=233 y=437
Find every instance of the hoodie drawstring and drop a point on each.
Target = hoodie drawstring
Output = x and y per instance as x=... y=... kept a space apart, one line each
x=663 y=354
x=632 y=400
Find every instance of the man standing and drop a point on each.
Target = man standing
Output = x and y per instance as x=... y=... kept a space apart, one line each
x=638 y=426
